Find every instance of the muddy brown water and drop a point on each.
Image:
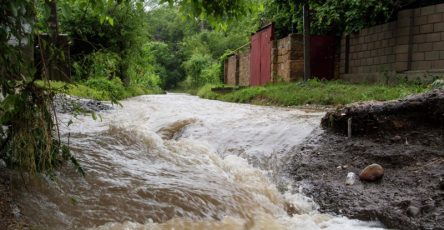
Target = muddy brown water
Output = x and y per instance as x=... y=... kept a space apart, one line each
x=179 y=162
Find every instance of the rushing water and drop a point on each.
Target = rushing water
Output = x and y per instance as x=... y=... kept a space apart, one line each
x=179 y=162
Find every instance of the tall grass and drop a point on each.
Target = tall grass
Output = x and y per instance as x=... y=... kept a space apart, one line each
x=313 y=92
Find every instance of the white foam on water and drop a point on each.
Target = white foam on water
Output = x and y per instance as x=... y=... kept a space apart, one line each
x=180 y=162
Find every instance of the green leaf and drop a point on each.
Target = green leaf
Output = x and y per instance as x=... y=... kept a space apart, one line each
x=94 y=116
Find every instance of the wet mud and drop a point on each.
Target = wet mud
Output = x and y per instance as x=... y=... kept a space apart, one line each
x=411 y=193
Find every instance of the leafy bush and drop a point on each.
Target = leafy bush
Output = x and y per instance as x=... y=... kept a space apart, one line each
x=212 y=74
x=99 y=64
x=141 y=69
x=194 y=68
x=113 y=88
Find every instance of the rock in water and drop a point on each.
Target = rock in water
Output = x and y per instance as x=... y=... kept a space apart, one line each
x=372 y=172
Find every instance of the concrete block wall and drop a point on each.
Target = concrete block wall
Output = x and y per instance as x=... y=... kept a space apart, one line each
x=231 y=74
x=412 y=43
x=244 y=69
x=428 y=38
x=286 y=62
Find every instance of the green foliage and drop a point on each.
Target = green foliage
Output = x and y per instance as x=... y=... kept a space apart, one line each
x=437 y=84
x=114 y=88
x=313 y=92
x=29 y=141
x=201 y=70
x=219 y=13
x=214 y=43
x=166 y=64
x=334 y=16
x=99 y=64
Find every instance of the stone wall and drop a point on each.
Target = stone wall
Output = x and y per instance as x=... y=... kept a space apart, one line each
x=231 y=69
x=286 y=62
x=244 y=69
x=411 y=47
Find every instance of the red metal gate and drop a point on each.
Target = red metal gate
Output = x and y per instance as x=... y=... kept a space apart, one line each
x=260 y=59
x=322 y=49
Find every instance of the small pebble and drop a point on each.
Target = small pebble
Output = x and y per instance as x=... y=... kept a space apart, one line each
x=351 y=177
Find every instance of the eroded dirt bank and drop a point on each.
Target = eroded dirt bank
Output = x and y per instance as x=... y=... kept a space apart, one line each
x=406 y=137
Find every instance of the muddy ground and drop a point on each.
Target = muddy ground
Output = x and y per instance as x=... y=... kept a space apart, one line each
x=411 y=193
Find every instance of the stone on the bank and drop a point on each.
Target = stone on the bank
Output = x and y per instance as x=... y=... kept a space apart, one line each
x=350 y=178
x=372 y=172
x=413 y=211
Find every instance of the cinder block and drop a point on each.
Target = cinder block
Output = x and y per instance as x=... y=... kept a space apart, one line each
x=420 y=38
x=438 y=27
x=420 y=20
x=439 y=64
x=428 y=10
x=423 y=47
x=437 y=17
x=404 y=23
x=405 y=14
x=441 y=56
x=364 y=47
x=402 y=57
x=388 y=51
x=440 y=8
x=438 y=45
x=403 y=40
x=421 y=65
x=391 y=58
x=427 y=28
x=380 y=52
x=417 y=12
x=402 y=49
x=418 y=56
x=416 y=29
x=401 y=66
x=375 y=61
x=432 y=55
x=434 y=37
x=392 y=42
x=387 y=35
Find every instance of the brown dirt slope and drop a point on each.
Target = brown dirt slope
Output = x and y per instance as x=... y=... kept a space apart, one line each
x=406 y=137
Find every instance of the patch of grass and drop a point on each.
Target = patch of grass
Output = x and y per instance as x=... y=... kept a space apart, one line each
x=313 y=92
x=100 y=90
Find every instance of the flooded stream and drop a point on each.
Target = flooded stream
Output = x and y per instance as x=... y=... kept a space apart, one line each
x=179 y=162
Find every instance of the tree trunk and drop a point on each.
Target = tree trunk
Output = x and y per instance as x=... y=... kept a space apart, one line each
x=52 y=19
